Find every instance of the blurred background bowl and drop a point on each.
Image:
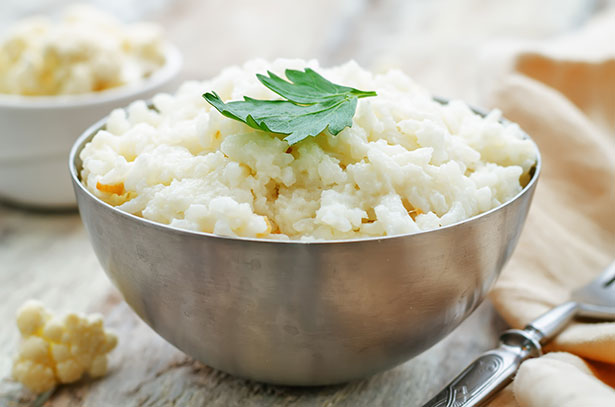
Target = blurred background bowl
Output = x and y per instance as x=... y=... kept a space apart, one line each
x=38 y=132
x=298 y=313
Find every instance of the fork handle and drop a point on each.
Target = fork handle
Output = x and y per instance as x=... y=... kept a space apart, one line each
x=490 y=372
x=553 y=321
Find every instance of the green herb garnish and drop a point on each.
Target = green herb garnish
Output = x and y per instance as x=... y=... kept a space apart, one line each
x=313 y=104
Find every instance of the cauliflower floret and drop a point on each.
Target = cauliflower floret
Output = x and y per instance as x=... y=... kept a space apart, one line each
x=59 y=350
x=33 y=366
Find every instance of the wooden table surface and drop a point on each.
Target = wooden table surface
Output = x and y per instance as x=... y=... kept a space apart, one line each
x=47 y=256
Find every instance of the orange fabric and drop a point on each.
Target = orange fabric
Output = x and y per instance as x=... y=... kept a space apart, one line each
x=567 y=104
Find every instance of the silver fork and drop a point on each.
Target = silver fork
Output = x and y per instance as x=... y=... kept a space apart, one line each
x=494 y=369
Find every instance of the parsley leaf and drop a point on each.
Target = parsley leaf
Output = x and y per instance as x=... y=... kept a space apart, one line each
x=308 y=87
x=313 y=105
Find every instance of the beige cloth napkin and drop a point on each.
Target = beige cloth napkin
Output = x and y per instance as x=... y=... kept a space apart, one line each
x=565 y=99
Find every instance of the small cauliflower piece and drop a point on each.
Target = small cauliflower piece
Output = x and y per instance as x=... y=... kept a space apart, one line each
x=34 y=367
x=59 y=350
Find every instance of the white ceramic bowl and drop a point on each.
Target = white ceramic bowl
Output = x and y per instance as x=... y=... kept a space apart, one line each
x=37 y=132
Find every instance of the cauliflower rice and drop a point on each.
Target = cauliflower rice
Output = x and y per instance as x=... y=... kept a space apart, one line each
x=86 y=51
x=407 y=164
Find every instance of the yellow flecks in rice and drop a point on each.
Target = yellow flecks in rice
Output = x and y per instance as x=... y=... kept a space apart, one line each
x=407 y=164
x=117 y=189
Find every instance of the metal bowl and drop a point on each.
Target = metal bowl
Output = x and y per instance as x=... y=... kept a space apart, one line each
x=299 y=313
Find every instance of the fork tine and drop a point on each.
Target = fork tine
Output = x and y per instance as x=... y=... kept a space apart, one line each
x=597 y=299
x=607 y=277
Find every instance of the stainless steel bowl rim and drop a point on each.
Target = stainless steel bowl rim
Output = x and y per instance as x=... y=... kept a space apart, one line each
x=89 y=133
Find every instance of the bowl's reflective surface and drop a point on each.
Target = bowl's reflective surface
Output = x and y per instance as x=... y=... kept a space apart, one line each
x=300 y=313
